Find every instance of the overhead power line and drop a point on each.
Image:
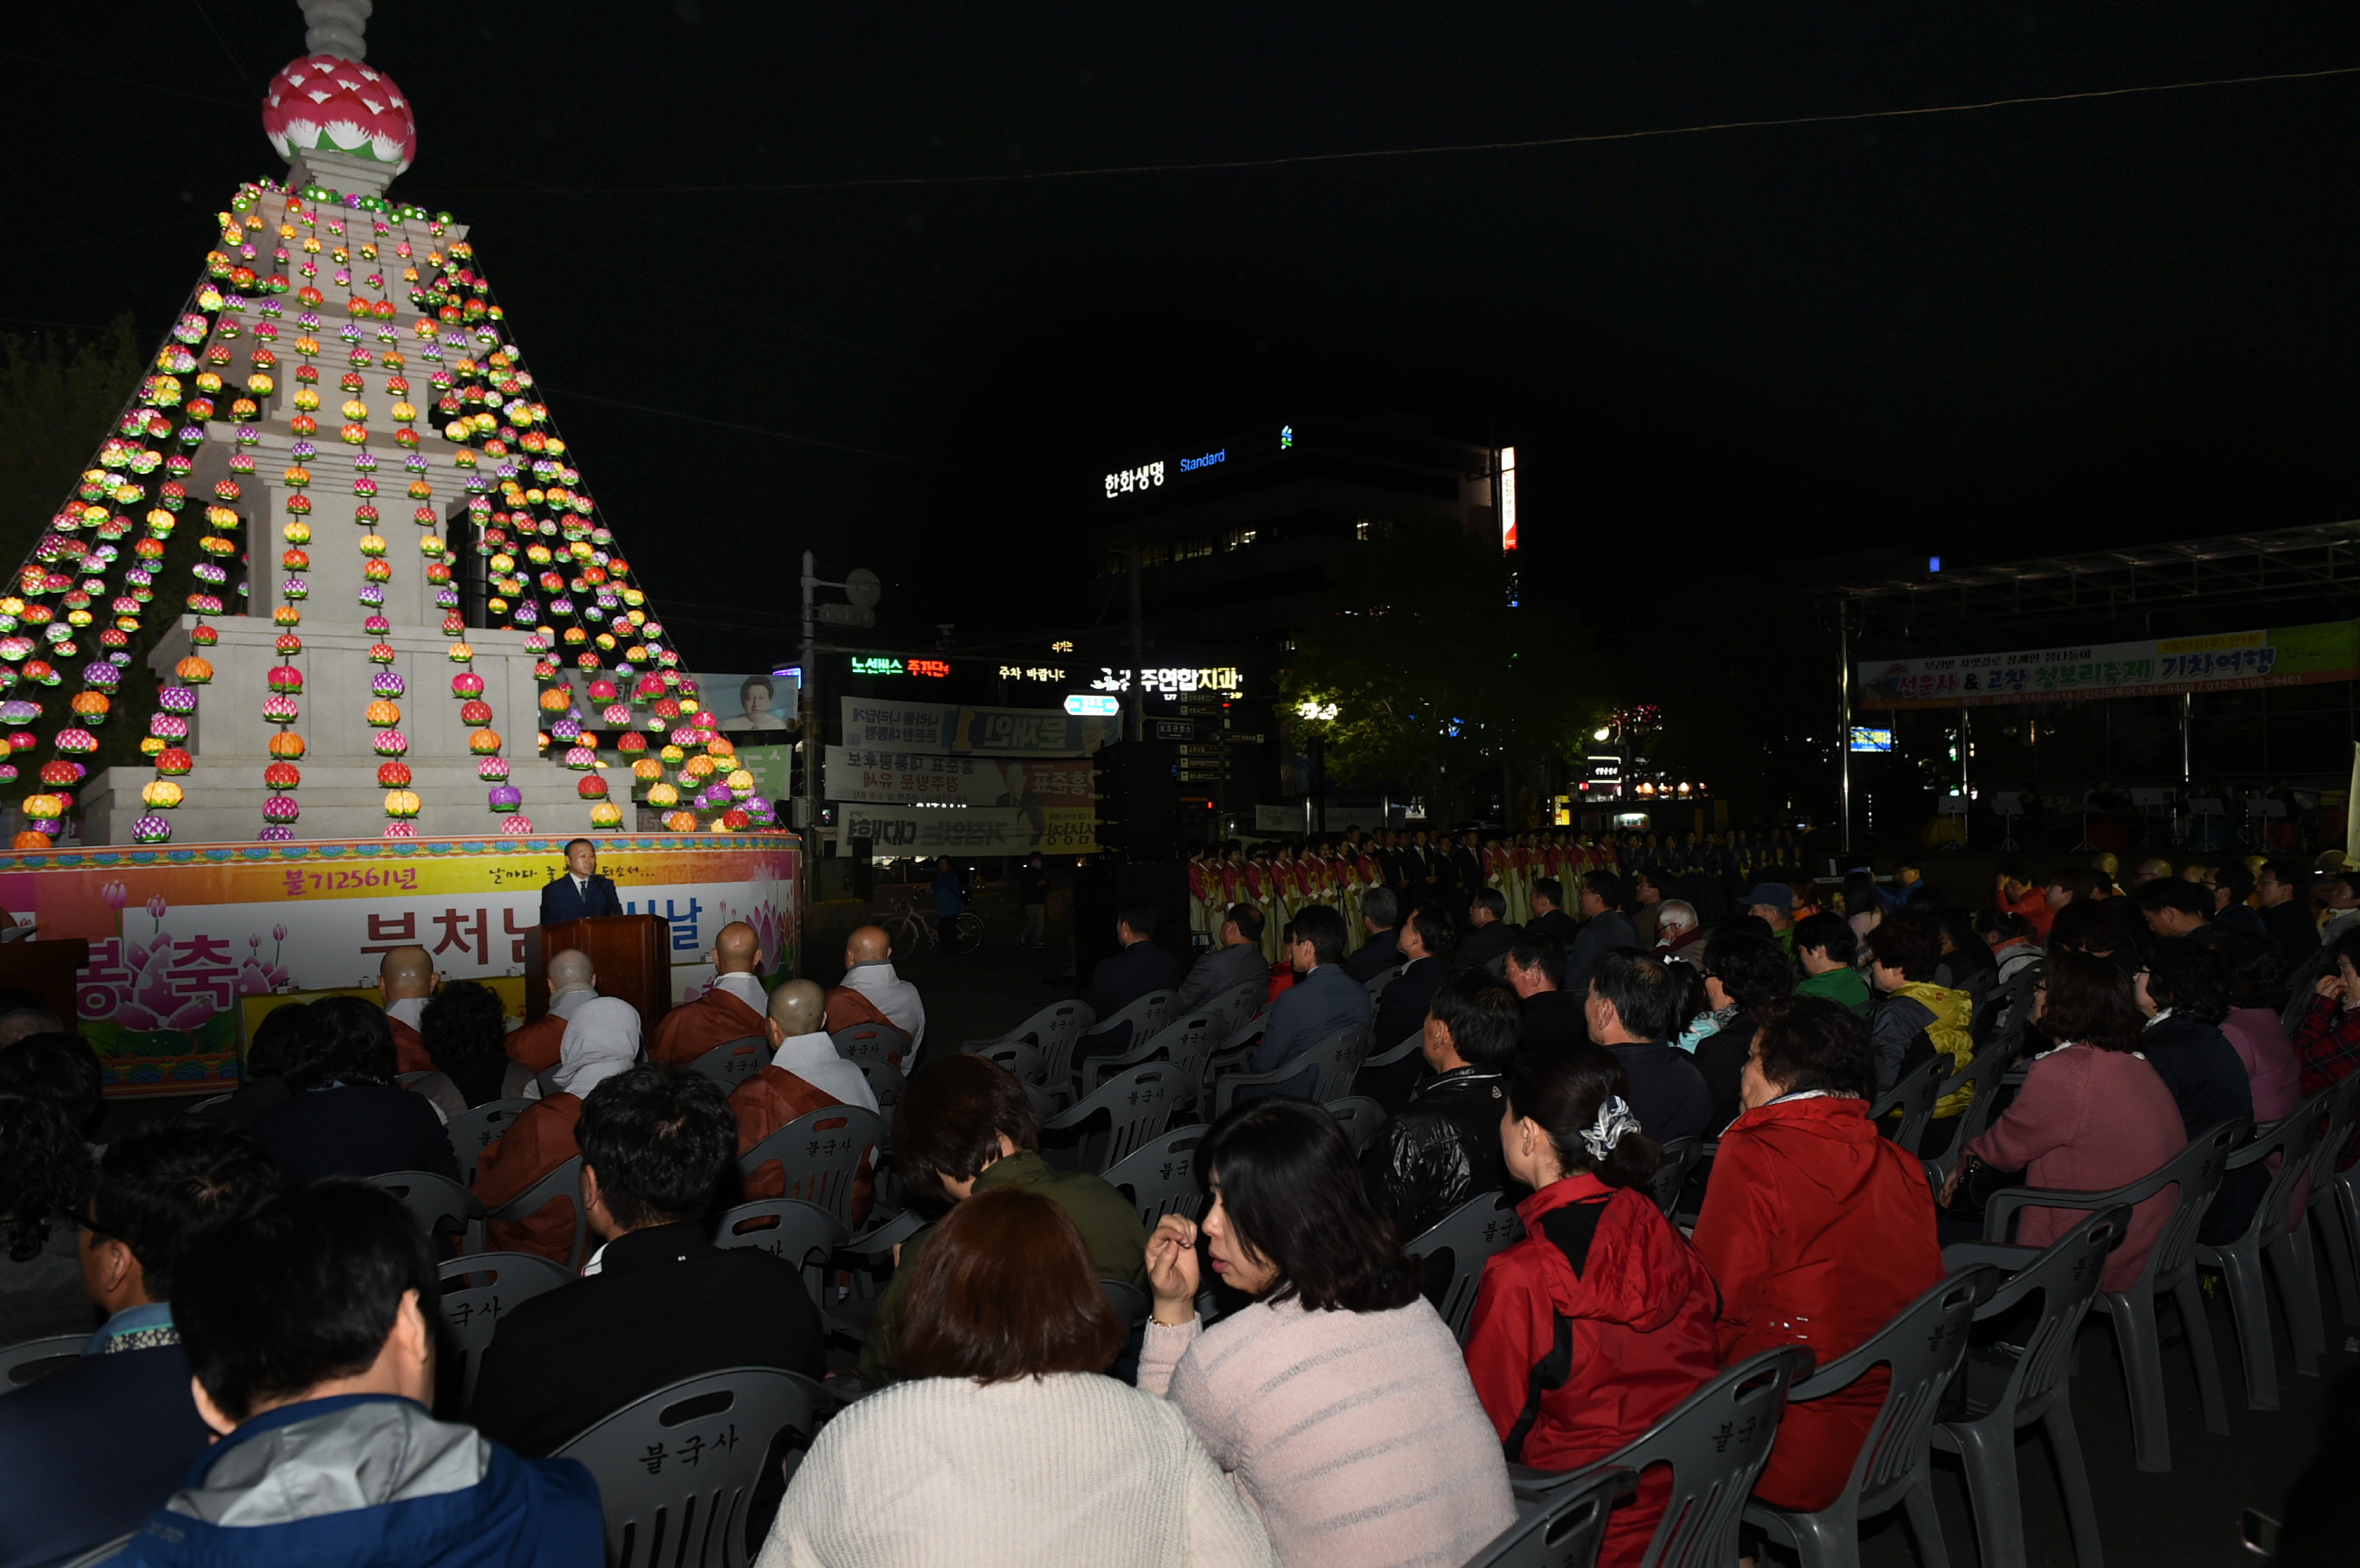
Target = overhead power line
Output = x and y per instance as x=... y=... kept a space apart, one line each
x=1441 y=148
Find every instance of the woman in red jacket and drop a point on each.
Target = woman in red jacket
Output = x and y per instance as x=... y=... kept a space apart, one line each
x=1818 y=1229
x=1591 y=1329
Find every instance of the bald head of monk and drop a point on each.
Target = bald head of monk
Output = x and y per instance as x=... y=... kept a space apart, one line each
x=736 y=951
x=866 y=944
x=572 y=970
x=797 y=1007
x=405 y=972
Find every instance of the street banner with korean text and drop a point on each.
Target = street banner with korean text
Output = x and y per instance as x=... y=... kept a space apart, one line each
x=181 y=935
x=899 y=777
x=896 y=831
x=2231 y=661
x=954 y=729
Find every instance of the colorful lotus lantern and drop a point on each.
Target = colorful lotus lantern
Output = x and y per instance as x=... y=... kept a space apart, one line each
x=321 y=103
x=393 y=775
x=285 y=677
x=403 y=829
x=593 y=786
x=382 y=714
x=76 y=742
x=173 y=761
x=485 y=741
x=401 y=804
x=193 y=670
x=681 y=821
x=282 y=776
x=387 y=683
x=162 y=795
x=280 y=809
x=474 y=711
x=286 y=745
x=505 y=797
x=177 y=700
x=281 y=710
x=466 y=683
x=29 y=839
x=606 y=815
x=515 y=826
x=151 y=830
x=662 y=795
x=492 y=769
x=391 y=743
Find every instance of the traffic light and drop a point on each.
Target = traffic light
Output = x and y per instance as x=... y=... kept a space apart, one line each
x=1138 y=801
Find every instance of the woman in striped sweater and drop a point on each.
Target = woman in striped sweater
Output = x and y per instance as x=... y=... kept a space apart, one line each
x=1337 y=1401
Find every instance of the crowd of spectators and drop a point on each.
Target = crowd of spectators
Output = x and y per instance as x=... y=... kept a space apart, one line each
x=262 y=1318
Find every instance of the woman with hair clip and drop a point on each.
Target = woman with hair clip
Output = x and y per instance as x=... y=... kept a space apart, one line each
x=1591 y=1329
x=1337 y=1400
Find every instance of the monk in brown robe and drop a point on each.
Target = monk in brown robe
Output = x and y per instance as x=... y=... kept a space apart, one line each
x=732 y=1011
x=573 y=980
x=804 y=1074
x=405 y=978
x=602 y=1040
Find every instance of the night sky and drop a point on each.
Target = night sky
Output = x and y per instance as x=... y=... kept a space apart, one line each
x=1985 y=334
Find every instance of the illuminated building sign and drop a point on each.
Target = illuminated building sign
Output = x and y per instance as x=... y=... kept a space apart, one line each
x=1865 y=737
x=886 y=664
x=1507 y=497
x=1206 y=460
x=1169 y=682
x=1090 y=707
x=1030 y=672
x=1147 y=475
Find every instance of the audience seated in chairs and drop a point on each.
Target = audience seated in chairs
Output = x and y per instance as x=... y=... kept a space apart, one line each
x=45 y=1175
x=1138 y=967
x=1744 y=973
x=309 y=1328
x=572 y=983
x=805 y=1073
x=1818 y=1229
x=1916 y=1018
x=2183 y=991
x=86 y=1452
x=405 y=980
x=1323 y=999
x=1001 y=1438
x=732 y=1009
x=1380 y=908
x=658 y=1300
x=964 y=1126
x=277 y=1046
x=1490 y=933
x=1635 y=1001
x=465 y=1029
x=602 y=1041
x=2093 y=1115
x=872 y=991
x=1427 y=941
x=1445 y=1148
x=1598 y=1323
x=1236 y=960
x=62 y=1068
x=2256 y=977
x=1338 y=1400
x=1825 y=946
x=344 y=1116
x=1550 y=1014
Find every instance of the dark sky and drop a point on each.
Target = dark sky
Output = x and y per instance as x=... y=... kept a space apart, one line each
x=1990 y=334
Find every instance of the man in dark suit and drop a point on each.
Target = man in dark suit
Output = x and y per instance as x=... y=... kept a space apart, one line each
x=1549 y=919
x=664 y=1303
x=1117 y=981
x=1467 y=861
x=1535 y=972
x=1425 y=941
x=1381 y=951
x=90 y=1451
x=580 y=891
x=1237 y=962
x=1488 y=935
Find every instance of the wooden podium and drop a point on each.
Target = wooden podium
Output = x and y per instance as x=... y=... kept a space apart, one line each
x=47 y=967
x=631 y=953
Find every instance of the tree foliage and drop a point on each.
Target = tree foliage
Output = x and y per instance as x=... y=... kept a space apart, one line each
x=1434 y=678
x=59 y=395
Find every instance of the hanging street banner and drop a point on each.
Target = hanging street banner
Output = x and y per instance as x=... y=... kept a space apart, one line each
x=895 y=831
x=953 y=729
x=2231 y=661
x=190 y=944
x=899 y=777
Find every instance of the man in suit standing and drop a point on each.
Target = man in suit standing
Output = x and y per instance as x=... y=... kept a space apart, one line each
x=580 y=890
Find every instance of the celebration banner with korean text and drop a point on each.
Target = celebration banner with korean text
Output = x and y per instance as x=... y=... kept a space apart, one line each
x=953 y=729
x=2231 y=661
x=897 y=778
x=180 y=935
x=898 y=831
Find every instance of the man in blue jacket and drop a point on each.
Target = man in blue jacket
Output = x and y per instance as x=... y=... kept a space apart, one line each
x=87 y=1450
x=580 y=891
x=1323 y=998
x=306 y=1329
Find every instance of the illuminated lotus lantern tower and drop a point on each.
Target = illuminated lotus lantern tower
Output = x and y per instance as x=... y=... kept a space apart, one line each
x=338 y=528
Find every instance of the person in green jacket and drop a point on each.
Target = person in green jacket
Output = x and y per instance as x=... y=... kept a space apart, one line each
x=963 y=1126
x=1825 y=947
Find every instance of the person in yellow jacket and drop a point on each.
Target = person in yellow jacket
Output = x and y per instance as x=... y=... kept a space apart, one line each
x=1916 y=1018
